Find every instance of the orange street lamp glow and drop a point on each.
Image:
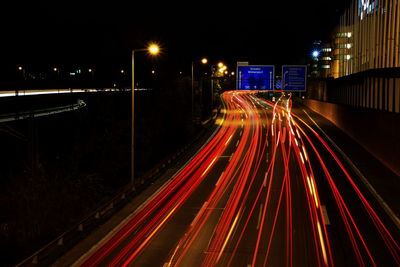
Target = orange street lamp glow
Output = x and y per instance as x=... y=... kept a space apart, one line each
x=204 y=61
x=154 y=49
x=220 y=65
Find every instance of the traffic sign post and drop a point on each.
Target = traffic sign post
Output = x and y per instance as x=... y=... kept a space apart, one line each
x=254 y=77
x=294 y=78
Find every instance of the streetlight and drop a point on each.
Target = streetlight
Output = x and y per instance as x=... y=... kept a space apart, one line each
x=22 y=70
x=203 y=61
x=152 y=49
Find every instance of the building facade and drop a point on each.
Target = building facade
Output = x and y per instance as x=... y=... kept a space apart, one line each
x=365 y=56
x=369 y=32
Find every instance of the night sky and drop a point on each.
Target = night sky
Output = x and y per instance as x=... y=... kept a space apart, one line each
x=104 y=32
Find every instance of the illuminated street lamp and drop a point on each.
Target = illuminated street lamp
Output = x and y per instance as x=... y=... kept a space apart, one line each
x=55 y=69
x=22 y=70
x=203 y=61
x=152 y=49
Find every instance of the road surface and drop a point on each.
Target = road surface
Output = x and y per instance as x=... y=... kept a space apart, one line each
x=266 y=190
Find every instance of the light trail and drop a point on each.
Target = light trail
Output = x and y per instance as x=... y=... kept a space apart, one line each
x=262 y=206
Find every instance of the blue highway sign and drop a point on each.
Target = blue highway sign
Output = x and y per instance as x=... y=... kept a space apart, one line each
x=294 y=78
x=255 y=77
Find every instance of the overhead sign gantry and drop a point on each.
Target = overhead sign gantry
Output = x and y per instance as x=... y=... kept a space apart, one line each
x=255 y=77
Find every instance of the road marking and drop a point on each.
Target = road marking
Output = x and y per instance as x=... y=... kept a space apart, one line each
x=198 y=214
x=219 y=179
x=372 y=190
x=325 y=215
x=229 y=139
x=259 y=216
x=228 y=236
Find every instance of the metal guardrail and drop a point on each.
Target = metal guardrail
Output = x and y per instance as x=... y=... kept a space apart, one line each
x=13 y=93
x=41 y=112
x=58 y=246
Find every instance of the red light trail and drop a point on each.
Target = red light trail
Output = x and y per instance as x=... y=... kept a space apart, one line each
x=261 y=187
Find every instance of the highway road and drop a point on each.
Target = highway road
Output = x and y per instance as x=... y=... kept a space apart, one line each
x=267 y=189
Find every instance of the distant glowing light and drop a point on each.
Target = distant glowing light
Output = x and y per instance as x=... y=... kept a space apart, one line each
x=122 y=71
x=315 y=54
x=90 y=70
x=204 y=61
x=19 y=68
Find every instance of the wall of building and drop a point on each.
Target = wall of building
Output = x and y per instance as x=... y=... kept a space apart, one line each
x=368 y=36
x=376 y=131
x=375 y=89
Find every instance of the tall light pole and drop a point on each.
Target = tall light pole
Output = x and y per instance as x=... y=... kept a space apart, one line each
x=153 y=49
x=203 y=61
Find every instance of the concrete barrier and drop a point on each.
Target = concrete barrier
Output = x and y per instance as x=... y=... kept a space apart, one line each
x=377 y=131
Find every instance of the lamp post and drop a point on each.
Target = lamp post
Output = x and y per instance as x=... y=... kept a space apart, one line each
x=203 y=61
x=153 y=49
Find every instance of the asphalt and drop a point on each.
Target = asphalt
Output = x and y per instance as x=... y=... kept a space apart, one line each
x=71 y=256
x=255 y=217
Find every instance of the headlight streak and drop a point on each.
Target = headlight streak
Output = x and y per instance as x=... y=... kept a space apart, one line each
x=269 y=139
x=391 y=244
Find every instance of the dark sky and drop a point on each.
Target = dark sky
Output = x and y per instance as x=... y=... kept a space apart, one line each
x=103 y=32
